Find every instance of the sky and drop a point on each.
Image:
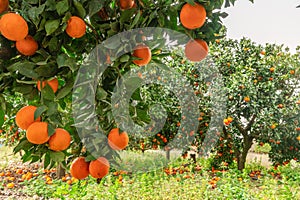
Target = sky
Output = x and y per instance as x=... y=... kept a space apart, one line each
x=265 y=21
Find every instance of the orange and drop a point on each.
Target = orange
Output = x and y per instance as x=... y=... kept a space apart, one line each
x=25 y=117
x=246 y=99
x=53 y=83
x=144 y=53
x=10 y=185
x=126 y=4
x=192 y=16
x=230 y=119
x=3 y=5
x=273 y=126
x=37 y=133
x=79 y=168
x=60 y=140
x=196 y=50
x=76 y=27
x=117 y=141
x=13 y=27
x=28 y=46
x=99 y=168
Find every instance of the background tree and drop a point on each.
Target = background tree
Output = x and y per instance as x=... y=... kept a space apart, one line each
x=262 y=85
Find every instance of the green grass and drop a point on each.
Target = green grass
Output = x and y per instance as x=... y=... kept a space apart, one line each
x=157 y=185
x=232 y=184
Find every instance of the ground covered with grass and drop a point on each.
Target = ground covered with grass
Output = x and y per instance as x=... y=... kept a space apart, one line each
x=181 y=179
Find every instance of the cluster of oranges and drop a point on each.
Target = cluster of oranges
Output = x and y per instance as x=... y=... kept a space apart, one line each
x=213 y=182
x=227 y=121
x=191 y=17
x=12 y=176
x=14 y=27
x=37 y=131
x=80 y=168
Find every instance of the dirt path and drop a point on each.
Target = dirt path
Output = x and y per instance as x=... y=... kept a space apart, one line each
x=263 y=159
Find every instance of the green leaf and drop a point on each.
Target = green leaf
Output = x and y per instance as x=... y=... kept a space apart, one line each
x=27 y=156
x=39 y=111
x=124 y=58
x=65 y=61
x=192 y=2
x=80 y=9
x=47 y=160
x=136 y=19
x=51 y=26
x=2 y=114
x=57 y=156
x=47 y=93
x=22 y=145
x=34 y=14
x=35 y=159
x=51 y=130
x=101 y=94
x=25 y=68
x=112 y=44
x=47 y=71
x=65 y=90
x=52 y=108
x=62 y=7
x=23 y=88
x=126 y=15
x=89 y=158
x=53 y=44
x=94 y=6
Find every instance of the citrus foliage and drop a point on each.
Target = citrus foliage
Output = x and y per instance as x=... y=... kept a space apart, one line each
x=262 y=84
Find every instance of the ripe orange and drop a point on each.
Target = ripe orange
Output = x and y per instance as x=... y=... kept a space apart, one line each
x=226 y=122
x=247 y=99
x=292 y=72
x=280 y=105
x=196 y=50
x=10 y=185
x=99 y=168
x=192 y=17
x=13 y=26
x=117 y=141
x=126 y=4
x=28 y=46
x=60 y=140
x=273 y=126
x=3 y=5
x=37 y=133
x=79 y=168
x=230 y=119
x=25 y=117
x=144 y=53
x=272 y=69
x=76 y=27
x=53 y=83
x=298 y=138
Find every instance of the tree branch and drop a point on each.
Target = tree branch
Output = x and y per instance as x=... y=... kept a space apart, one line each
x=251 y=122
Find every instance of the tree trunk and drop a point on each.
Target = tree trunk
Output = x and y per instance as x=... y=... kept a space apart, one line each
x=248 y=141
x=168 y=154
x=60 y=171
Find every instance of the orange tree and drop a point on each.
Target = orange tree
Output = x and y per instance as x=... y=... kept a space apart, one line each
x=43 y=44
x=262 y=90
